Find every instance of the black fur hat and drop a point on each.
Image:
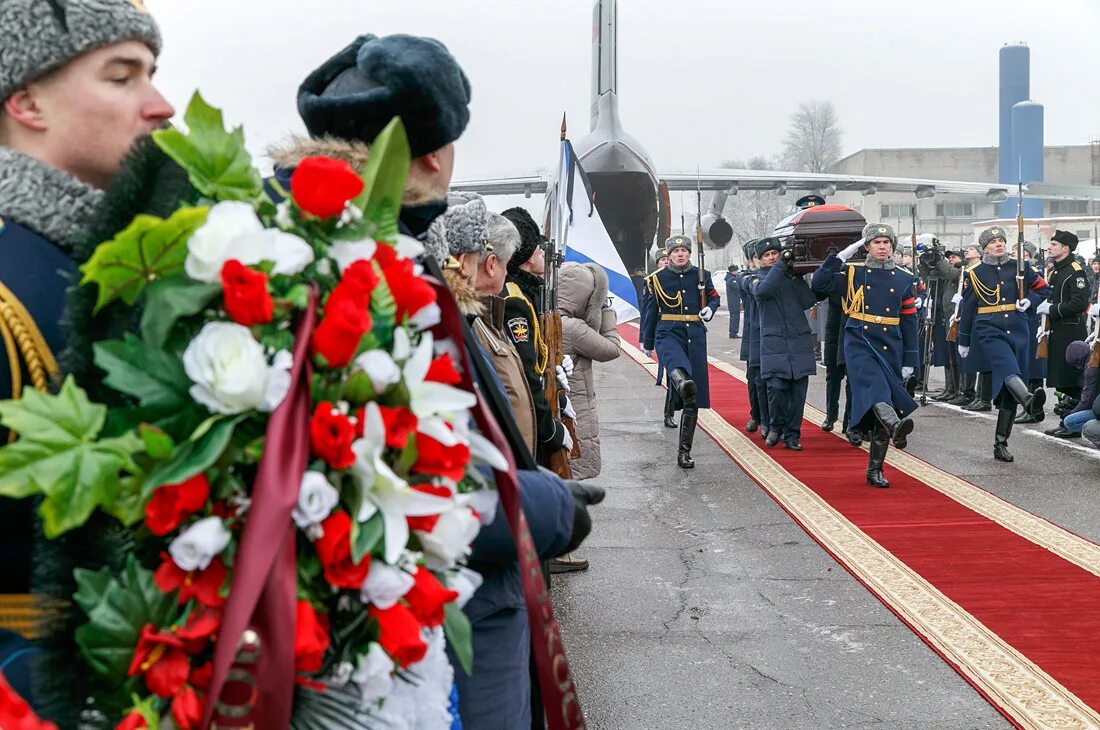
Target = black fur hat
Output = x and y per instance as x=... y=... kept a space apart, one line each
x=529 y=235
x=356 y=93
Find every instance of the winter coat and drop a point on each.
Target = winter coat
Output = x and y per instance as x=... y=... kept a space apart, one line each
x=1069 y=298
x=1077 y=355
x=588 y=333
x=786 y=342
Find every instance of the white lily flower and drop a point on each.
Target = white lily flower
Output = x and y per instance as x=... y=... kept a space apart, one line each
x=384 y=492
x=429 y=398
x=408 y=247
x=346 y=253
x=380 y=368
x=402 y=348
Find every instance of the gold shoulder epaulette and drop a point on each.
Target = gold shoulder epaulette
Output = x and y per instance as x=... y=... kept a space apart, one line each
x=513 y=290
x=24 y=341
x=853 y=263
x=1077 y=266
x=907 y=271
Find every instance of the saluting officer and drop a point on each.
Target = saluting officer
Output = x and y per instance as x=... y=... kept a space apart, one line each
x=1065 y=310
x=880 y=339
x=674 y=327
x=994 y=317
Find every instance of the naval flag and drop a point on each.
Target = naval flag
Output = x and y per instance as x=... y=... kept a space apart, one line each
x=576 y=223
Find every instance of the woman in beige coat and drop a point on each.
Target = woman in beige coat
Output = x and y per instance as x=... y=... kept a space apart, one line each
x=588 y=335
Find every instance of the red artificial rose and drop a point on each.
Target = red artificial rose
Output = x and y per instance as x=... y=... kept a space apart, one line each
x=15 y=713
x=343 y=325
x=428 y=597
x=399 y=634
x=201 y=677
x=322 y=186
x=400 y=424
x=160 y=657
x=426 y=523
x=171 y=504
x=245 y=294
x=202 y=585
x=187 y=709
x=310 y=639
x=330 y=436
x=433 y=457
x=334 y=549
x=385 y=255
x=442 y=370
x=134 y=720
x=359 y=279
x=201 y=625
x=410 y=292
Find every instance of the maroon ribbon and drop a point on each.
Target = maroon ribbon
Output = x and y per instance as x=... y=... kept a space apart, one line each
x=263 y=593
x=559 y=694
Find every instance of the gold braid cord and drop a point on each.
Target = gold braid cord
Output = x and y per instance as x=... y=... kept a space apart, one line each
x=675 y=302
x=853 y=300
x=989 y=297
x=543 y=353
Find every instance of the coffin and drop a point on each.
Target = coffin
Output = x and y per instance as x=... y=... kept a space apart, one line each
x=816 y=232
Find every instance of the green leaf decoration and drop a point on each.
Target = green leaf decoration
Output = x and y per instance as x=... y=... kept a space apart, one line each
x=365 y=536
x=383 y=310
x=459 y=635
x=216 y=160
x=155 y=377
x=384 y=180
x=150 y=248
x=125 y=502
x=195 y=455
x=158 y=444
x=120 y=607
x=58 y=456
x=168 y=300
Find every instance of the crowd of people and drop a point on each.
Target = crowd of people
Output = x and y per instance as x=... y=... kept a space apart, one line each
x=79 y=101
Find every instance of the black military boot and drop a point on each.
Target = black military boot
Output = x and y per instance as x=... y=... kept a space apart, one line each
x=684 y=386
x=855 y=437
x=1004 y=430
x=688 y=419
x=897 y=429
x=670 y=422
x=1032 y=402
x=951 y=383
x=880 y=444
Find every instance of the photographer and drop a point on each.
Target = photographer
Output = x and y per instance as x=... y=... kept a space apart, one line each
x=948 y=270
x=933 y=322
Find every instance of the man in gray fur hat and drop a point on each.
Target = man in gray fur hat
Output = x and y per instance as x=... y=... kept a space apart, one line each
x=76 y=91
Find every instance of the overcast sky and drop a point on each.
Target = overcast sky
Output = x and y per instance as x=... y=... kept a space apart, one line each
x=700 y=81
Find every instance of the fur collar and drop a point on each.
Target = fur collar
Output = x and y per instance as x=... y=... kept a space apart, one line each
x=466 y=297
x=530 y=285
x=288 y=154
x=582 y=292
x=889 y=263
x=680 y=269
x=996 y=260
x=52 y=203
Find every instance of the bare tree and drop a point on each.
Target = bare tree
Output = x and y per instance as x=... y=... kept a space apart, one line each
x=813 y=139
x=754 y=213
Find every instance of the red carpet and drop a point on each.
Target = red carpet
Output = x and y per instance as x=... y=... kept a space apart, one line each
x=1042 y=605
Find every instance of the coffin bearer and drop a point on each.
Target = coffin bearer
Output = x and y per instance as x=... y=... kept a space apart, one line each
x=1065 y=311
x=880 y=339
x=674 y=326
x=993 y=317
x=733 y=300
x=752 y=364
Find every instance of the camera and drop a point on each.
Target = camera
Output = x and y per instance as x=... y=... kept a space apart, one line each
x=929 y=255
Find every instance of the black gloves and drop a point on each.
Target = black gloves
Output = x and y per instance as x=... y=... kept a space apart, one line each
x=583 y=496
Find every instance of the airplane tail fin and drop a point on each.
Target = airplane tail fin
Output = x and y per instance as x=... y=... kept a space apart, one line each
x=605 y=73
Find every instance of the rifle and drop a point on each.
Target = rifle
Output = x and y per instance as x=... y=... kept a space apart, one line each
x=953 y=330
x=699 y=240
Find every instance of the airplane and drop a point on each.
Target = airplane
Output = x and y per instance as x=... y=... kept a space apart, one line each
x=633 y=199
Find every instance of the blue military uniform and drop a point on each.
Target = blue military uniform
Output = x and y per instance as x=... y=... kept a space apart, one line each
x=674 y=327
x=989 y=320
x=880 y=339
x=750 y=353
x=733 y=303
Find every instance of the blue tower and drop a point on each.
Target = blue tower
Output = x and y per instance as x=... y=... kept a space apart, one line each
x=1015 y=86
x=1027 y=146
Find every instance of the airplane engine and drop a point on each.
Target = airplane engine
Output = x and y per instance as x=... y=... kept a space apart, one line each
x=717 y=231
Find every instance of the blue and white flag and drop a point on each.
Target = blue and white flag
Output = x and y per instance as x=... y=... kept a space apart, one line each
x=576 y=223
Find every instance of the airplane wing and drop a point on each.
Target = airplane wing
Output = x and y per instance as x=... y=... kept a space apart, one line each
x=731 y=180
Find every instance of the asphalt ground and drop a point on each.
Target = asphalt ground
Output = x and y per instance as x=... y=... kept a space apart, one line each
x=706 y=606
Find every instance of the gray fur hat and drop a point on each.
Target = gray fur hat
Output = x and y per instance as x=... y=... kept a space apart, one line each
x=464 y=228
x=879 y=230
x=40 y=36
x=1031 y=248
x=677 y=241
x=990 y=233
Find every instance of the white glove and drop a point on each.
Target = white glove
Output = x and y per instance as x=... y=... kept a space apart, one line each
x=850 y=251
x=1094 y=310
x=1091 y=339
x=906 y=371
x=957 y=298
x=567 y=409
x=648 y=353
x=566 y=440
x=1022 y=305
x=563 y=379
x=918 y=302
x=964 y=350
x=567 y=364
x=1043 y=308
x=706 y=314
x=1040 y=334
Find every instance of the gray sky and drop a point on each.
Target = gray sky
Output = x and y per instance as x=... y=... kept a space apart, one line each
x=700 y=81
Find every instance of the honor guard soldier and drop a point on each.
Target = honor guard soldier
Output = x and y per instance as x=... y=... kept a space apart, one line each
x=880 y=339
x=674 y=326
x=994 y=318
x=1065 y=311
x=748 y=303
x=757 y=389
x=1037 y=366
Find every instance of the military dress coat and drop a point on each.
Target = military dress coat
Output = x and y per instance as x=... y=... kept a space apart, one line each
x=673 y=328
x=786 y=340
x=880 y=332
x=749 y=326
x=989 y=319
x=1069 y=304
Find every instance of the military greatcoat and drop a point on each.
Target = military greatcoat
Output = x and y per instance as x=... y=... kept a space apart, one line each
x=1069 y=302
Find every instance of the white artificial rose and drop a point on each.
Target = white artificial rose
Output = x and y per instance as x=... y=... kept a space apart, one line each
x=199 y=544
x=211 y=245
x=385 y=584
x=373 y=675
x=316 y=500
x=289 y=253
x=466 y=582
x=380 y=368
x=230 y=371
x=347 y=253
x=449 y=541
x=408 y=247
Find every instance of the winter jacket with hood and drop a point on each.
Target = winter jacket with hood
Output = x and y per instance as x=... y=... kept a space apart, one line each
x=588 y=333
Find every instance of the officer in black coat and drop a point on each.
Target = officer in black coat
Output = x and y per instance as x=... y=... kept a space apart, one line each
x=752 y=372
x=676 y=329
x=758 y=392
x=1065 y=312
x=733 y=300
